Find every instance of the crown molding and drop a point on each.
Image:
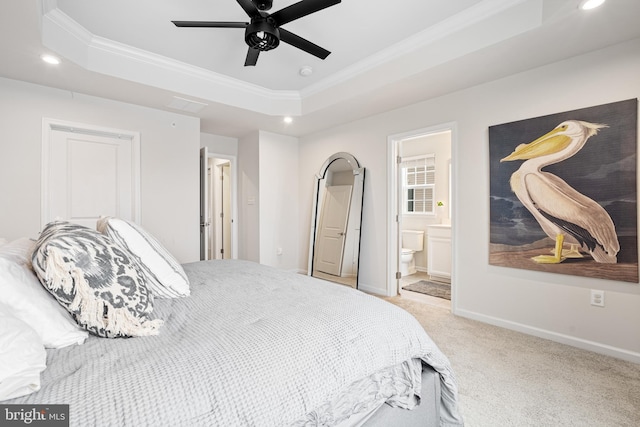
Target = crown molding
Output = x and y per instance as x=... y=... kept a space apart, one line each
x=71 y=40
x=437 y=32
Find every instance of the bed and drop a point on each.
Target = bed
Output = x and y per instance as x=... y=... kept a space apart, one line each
x=253 y=345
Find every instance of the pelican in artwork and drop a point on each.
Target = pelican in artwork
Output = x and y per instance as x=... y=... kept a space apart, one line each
x=564 y=214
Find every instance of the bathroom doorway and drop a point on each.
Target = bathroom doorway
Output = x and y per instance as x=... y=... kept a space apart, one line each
x=421 y=206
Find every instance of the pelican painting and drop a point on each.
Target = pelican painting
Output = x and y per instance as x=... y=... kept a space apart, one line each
x=565 y=215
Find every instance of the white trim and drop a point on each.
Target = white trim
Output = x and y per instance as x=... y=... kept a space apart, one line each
x=596 y=347
x=68 y=38
x=234 y=198
x=453 y=212
x=369 y=289
x=49 y=125
x=65 y=36
x=405 y=165
x=458 y=22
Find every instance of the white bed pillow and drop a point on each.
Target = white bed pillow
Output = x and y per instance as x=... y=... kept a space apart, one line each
x=21 y=290
x=22 y=356
x=18 y=250
x=164 y=275
x=3 y=241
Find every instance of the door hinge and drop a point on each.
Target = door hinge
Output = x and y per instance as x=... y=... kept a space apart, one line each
x=398 y=275
x=398 y=159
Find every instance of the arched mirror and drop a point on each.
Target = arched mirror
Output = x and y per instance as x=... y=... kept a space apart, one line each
x=334 y=250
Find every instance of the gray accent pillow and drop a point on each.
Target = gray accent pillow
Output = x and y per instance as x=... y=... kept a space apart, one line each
x=98 y=283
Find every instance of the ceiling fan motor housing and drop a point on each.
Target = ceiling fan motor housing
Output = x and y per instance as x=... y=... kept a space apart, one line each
x=262 y=35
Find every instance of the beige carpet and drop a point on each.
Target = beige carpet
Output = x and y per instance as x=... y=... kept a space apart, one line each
x=506 y=378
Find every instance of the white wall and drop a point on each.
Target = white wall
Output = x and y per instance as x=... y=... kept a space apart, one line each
x=248 y=198
x=169 y=160
x=268 y=217
x=279 y=200
x=544 y=304
x=219 y=144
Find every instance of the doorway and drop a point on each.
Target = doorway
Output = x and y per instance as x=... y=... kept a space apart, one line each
x=421 y=192
x=218 y=206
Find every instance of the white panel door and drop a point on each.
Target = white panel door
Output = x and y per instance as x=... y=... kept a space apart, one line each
x=88 y=173
x=205 y=220
x=333 y=227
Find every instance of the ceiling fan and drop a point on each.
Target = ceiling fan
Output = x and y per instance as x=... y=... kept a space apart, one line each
x=264 y=32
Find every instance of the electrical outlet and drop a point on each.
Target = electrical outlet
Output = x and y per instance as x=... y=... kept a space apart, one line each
x=597 y=298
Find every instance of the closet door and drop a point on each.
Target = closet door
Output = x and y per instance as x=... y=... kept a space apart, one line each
x=333 y=228
x=89 y=172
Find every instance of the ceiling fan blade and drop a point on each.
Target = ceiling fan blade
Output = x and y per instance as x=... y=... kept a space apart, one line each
x=300 y=43
x=210 y=24
x=252 y=57
x=250 y=8
x=300 y=9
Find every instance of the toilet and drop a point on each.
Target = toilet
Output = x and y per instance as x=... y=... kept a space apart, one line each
x=412 y=242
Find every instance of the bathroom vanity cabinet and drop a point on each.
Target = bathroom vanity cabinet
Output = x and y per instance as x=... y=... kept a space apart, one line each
x=439 y=252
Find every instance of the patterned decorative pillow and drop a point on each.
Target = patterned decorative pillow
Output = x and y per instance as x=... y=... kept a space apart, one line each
x=97 y=282
x=164 y=275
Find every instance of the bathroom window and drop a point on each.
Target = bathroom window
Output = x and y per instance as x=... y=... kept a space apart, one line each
x=418 y=184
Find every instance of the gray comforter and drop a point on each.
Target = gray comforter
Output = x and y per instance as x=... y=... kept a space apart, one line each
x=251 y=346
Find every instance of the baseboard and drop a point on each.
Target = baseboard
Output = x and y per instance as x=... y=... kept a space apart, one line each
x=596 y=347
x=371 y=290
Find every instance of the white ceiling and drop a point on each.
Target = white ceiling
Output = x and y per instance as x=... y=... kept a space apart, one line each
x=385 y=54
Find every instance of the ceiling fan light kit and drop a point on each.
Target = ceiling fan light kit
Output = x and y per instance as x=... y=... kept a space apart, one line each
x=262 y=36
x=263 y=33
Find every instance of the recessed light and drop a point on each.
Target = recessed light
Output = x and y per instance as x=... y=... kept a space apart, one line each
x=287 y=119
x=50 y=59
x=590 y=4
